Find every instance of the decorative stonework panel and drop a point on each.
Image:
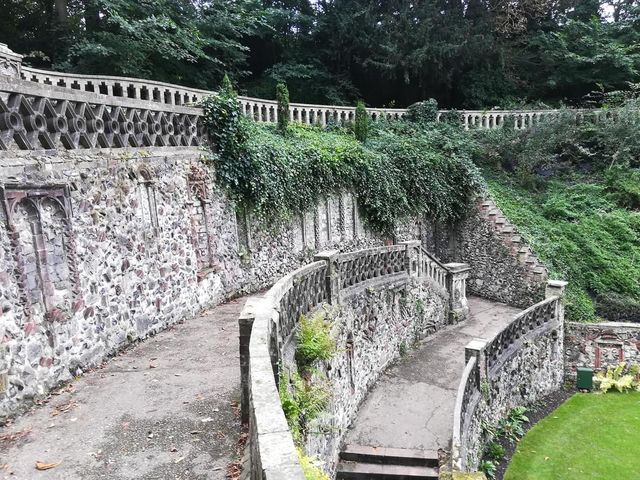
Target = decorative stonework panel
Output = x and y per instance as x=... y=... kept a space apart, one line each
x=38 y=219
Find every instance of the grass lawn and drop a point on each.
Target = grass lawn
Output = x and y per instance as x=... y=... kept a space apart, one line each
x=590 y=436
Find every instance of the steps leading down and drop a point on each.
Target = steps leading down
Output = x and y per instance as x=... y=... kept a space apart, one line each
x=371 y=463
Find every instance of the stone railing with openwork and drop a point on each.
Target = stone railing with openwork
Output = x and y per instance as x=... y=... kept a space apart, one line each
x=40 y=117
x=518 y=366
x=170 y=96
x=267 y=323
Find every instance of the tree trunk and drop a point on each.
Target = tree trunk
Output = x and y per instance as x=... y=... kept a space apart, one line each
x=61 y=10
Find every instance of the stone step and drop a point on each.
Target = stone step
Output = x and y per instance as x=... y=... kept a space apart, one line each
x=516 y=239
x=508 y=230
x=389 y=456
x=376 y=471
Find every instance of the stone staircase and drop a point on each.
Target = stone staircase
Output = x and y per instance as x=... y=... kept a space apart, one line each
x=371 y=463
x=513 y=240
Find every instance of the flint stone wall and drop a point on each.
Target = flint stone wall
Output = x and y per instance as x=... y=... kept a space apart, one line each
x=101 y=248
x=497 y=273
x=599 y=345
x=535 y=370
x=369 y=327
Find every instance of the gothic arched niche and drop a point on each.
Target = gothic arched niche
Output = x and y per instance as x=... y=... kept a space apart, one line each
x=38 y=221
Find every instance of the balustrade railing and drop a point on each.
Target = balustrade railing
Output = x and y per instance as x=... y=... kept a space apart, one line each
x=433 y=269
x=484 y=360
x=498 y=349
x=262 y=110
x=33 y=118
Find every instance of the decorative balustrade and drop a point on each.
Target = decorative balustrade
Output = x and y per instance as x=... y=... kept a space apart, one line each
x=502 y=345
x=267 y=322
x=485 y=362
x=33 y=117
x=357 y=267
x=433 y=269
x=261 y=110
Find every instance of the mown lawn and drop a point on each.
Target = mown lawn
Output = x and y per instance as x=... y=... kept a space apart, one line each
x=589 y=437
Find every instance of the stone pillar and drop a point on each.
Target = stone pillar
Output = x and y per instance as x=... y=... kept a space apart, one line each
x=412 y=258
x=10 y=62
x=556 y=288
x=245 y=323
x=333 y=274
x=475 y=348
x=457 y=287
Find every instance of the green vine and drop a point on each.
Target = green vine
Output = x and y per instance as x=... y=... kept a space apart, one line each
x=404 y=169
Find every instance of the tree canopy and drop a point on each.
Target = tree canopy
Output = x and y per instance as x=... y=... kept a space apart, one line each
x=464 y=53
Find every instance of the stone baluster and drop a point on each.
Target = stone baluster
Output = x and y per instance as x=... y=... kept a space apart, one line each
x=333 y=274
x=466 y=121
x=457 y=288
x=413 y=256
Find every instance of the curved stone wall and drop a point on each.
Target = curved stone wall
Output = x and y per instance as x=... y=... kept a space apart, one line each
x=100 y=248
x=520 y=365
x=376 y=300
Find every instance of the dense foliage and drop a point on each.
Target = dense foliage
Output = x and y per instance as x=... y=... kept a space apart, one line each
x=464 y=53
x=404 y=168
x=574 y=193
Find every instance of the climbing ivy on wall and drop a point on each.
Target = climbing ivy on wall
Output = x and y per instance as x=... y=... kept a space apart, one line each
x=403 y=169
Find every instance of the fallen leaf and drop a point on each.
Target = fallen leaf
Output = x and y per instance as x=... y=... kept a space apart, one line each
x=46 y=466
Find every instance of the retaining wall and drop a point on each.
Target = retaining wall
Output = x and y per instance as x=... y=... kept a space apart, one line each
x=520 y=365
x=101 y=248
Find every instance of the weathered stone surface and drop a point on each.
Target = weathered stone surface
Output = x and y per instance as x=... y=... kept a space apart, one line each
x=599 y=345
x=503 y=268
x=369 y=327
x=102 y=248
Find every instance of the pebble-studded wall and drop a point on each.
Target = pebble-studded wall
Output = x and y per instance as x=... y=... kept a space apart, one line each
x=100 y=248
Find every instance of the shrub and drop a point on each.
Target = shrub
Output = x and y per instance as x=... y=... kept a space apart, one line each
x=282 y=97
x=423 y=112
x=314 y=341
x=311 y=467
x=302 y=402
x=489 y=468
x=361 y=122
x=621 y=377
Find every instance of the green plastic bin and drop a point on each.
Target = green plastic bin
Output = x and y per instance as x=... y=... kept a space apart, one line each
x=585 y=378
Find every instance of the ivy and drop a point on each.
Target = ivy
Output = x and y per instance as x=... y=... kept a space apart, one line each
x=404 y=169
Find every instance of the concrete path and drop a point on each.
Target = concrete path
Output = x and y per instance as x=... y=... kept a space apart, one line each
x=164 y=409
x=411 y=405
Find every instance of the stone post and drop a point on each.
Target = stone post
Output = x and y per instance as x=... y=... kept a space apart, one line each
x=412 y=258
x=10 y=62
x=333 y=274
x=457 y=287
x=245 y=324
x=556 y=288
x=475 y=348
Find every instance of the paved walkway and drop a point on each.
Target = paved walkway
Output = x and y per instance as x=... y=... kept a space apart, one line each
x=411 y=405
x=161 y=410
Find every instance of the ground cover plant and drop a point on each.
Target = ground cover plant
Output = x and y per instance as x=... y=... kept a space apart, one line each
x=573 y=191
x=590 y=437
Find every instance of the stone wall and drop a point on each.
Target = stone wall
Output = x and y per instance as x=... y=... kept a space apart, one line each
x=503 y=267
x=598 y=345
x=519 y=366
x=369 y=327
x=101 y=248
x=376 y=300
